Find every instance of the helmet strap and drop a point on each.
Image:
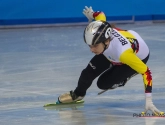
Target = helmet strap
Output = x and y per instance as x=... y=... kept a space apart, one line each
x=105 y=47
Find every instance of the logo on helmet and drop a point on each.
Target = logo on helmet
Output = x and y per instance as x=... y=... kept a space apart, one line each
x=108 y=33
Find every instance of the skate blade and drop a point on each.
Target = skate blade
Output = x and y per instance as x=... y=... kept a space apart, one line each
x=62 y=104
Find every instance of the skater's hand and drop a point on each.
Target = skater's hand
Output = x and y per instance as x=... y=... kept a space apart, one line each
x=88 y=12
x=150 y=106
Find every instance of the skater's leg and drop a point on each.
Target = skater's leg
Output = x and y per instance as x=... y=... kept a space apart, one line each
x=96 y=66
x=117 y=76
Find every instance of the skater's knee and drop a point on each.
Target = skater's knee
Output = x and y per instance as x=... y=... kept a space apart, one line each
x=104 y=83
x=101 y=84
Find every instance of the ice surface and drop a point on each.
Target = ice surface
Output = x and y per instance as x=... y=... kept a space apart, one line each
x=39 y=64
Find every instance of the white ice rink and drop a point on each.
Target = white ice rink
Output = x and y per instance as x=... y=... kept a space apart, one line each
x=39 y=64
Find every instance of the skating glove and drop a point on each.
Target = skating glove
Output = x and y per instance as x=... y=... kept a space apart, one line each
x=150 y=106
x=88 y=12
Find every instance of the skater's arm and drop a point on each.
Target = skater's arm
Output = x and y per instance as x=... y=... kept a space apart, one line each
x=129 y=58
x=96 y=15
x=99 y=15
x=91 y=15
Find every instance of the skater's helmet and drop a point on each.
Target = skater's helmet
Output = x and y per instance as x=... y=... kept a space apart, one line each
x=97 y=32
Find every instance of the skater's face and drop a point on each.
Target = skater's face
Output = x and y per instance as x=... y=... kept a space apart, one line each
x=98 y=48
